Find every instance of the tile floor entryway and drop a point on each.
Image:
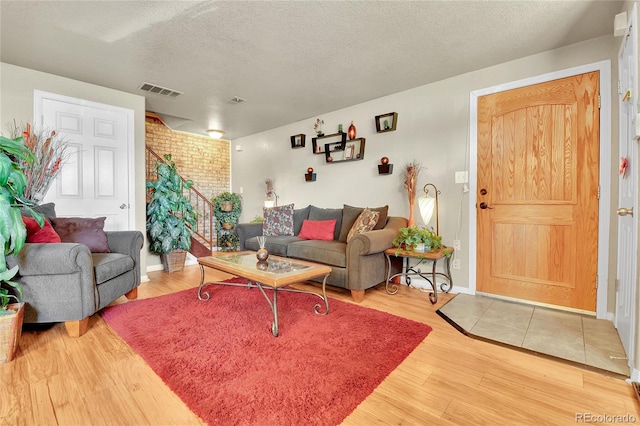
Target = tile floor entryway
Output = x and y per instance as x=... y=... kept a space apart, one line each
x=569 y=336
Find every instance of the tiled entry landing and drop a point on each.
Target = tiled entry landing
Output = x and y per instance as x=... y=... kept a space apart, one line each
x=570 y=336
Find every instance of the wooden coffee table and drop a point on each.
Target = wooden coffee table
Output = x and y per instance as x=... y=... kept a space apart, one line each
x=275 y=274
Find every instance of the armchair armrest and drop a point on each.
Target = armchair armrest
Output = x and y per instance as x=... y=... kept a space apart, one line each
x=248 y=230
x=125 y=242
x=52 y=259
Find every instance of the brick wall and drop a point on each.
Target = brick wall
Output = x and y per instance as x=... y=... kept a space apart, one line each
x=203 y=160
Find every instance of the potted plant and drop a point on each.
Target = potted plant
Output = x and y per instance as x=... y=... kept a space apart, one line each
x=227 y=219
x=13 y=154
x=417 y=239
x=170 y=216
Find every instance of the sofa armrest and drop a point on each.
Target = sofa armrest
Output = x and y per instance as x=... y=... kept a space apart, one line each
x=376 y=241
x=52 y=259
x=248 y=230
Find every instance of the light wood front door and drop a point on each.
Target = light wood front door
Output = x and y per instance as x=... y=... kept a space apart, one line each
x=537 y=199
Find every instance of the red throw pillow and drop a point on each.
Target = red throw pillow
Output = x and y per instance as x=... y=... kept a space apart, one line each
x=317 y=229
x=35 y=234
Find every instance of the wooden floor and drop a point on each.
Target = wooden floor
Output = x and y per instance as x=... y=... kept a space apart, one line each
x=449 y=379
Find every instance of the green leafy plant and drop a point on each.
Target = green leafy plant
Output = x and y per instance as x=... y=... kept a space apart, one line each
x=411 y=236
x=223 y=216
x=13 y=233
x=170 y=216
x=257 y=219
x=229 y=240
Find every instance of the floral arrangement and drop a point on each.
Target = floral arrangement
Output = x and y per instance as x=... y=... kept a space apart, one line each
x=318 y=126
x=410 y=178
x=49 y=151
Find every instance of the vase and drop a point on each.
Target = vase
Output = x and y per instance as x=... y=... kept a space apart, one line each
x=262 y=254
x=412 y=220
x=352 y=131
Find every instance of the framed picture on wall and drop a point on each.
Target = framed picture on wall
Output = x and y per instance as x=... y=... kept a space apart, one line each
x=348 y=151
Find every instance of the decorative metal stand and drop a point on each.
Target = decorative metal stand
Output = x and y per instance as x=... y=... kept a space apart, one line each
x=317 y=308
x=413 y=271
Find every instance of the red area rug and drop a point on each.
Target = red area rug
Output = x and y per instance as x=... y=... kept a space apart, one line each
x=221 y=359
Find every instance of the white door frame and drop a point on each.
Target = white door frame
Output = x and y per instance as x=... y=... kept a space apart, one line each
x=625 y=121
x=38 y=100
x=604 y=67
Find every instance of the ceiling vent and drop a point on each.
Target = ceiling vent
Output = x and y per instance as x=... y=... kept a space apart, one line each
x=237 y=100
x=159 y=90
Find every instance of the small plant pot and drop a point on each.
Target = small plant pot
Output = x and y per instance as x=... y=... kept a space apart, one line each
x=227 y=226
x=10 y=331
x=227 y=206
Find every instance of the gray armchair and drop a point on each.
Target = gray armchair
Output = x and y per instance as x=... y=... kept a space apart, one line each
x=66 y=282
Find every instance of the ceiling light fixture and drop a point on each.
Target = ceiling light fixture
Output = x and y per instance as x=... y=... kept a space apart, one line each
x=215 y=134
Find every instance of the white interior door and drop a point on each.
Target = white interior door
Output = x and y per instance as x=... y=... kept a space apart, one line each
x=627 y=221
x=94 y=180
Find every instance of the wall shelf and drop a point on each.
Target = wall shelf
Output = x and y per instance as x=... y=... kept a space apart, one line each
x=385 y=169
x=386 y=122
x=352 y=150
x=332 y=139
x=297 y=141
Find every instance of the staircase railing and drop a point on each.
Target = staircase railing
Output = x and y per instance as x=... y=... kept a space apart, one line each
x=204 y=230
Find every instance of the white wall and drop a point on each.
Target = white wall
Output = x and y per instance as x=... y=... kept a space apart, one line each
x=16 y=102
x=432 y=128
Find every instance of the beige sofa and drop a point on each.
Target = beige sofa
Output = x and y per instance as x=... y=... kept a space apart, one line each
x=357 y=265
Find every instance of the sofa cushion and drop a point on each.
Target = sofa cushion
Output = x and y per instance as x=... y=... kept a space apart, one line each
x=87 y=231
x=318 y=229
x=317 y=213
x=275 y=245
x=364 y=223
x=333 y=253
x=36 y=234
x=350 y=214
x=110 y=265
x=48 y=210
x=299 y=216
x=278 y=220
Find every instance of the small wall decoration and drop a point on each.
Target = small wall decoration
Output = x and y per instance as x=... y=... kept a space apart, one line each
x=318 y=127
x=384 y=168
x=386 y=122
x=297 y=141
x=310 y=176
x=352 y=131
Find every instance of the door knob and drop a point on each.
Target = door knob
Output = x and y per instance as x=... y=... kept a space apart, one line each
x=124 y=206
x=484 y=205
x=625 y=211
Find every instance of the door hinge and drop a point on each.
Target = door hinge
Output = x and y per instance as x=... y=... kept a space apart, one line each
x=598 y=192
x=596 y=282
x=619 y=87
x=599 y=101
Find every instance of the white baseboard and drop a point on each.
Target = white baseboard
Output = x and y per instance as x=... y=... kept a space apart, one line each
x=144 y=278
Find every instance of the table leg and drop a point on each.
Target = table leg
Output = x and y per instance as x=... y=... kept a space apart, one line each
x=273 y=305
x=446 y=287
x=390 y=286
x=433 y=297
x=206 y=294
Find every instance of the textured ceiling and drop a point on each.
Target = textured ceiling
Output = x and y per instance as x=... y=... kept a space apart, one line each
x=290 y=60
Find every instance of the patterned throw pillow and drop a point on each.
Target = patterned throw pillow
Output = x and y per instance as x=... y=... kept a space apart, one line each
x=365 y=222
x=278 y=221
